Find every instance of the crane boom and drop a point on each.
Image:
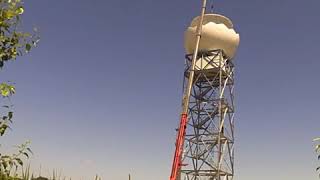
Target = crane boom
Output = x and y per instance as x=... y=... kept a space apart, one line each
x=176 y=165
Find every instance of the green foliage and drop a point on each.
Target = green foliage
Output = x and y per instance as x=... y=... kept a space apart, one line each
x=10 y=163
x=13 y=42
x=5 y=121
x=7 y=89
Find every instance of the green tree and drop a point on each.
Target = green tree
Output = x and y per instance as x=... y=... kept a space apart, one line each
x=14 y=42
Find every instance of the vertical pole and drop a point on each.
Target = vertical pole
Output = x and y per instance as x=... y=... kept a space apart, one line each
x=220 y=115
x=129 y=177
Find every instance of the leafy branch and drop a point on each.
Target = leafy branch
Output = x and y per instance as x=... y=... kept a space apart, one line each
x=13 y=42
x=10 y=162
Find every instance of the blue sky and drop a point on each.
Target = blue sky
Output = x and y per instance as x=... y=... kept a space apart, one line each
x=102 y=91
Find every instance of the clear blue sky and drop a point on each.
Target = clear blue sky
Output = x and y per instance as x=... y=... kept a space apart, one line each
x=102 y=92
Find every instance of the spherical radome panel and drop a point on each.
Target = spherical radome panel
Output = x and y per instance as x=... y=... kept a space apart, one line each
x=217 y=33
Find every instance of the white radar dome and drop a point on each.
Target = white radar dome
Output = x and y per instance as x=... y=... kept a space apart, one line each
x=217 y=33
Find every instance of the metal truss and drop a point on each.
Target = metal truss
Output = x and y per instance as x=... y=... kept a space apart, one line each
x=208 y=152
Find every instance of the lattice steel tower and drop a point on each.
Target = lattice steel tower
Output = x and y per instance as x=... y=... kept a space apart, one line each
x=205 y=140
